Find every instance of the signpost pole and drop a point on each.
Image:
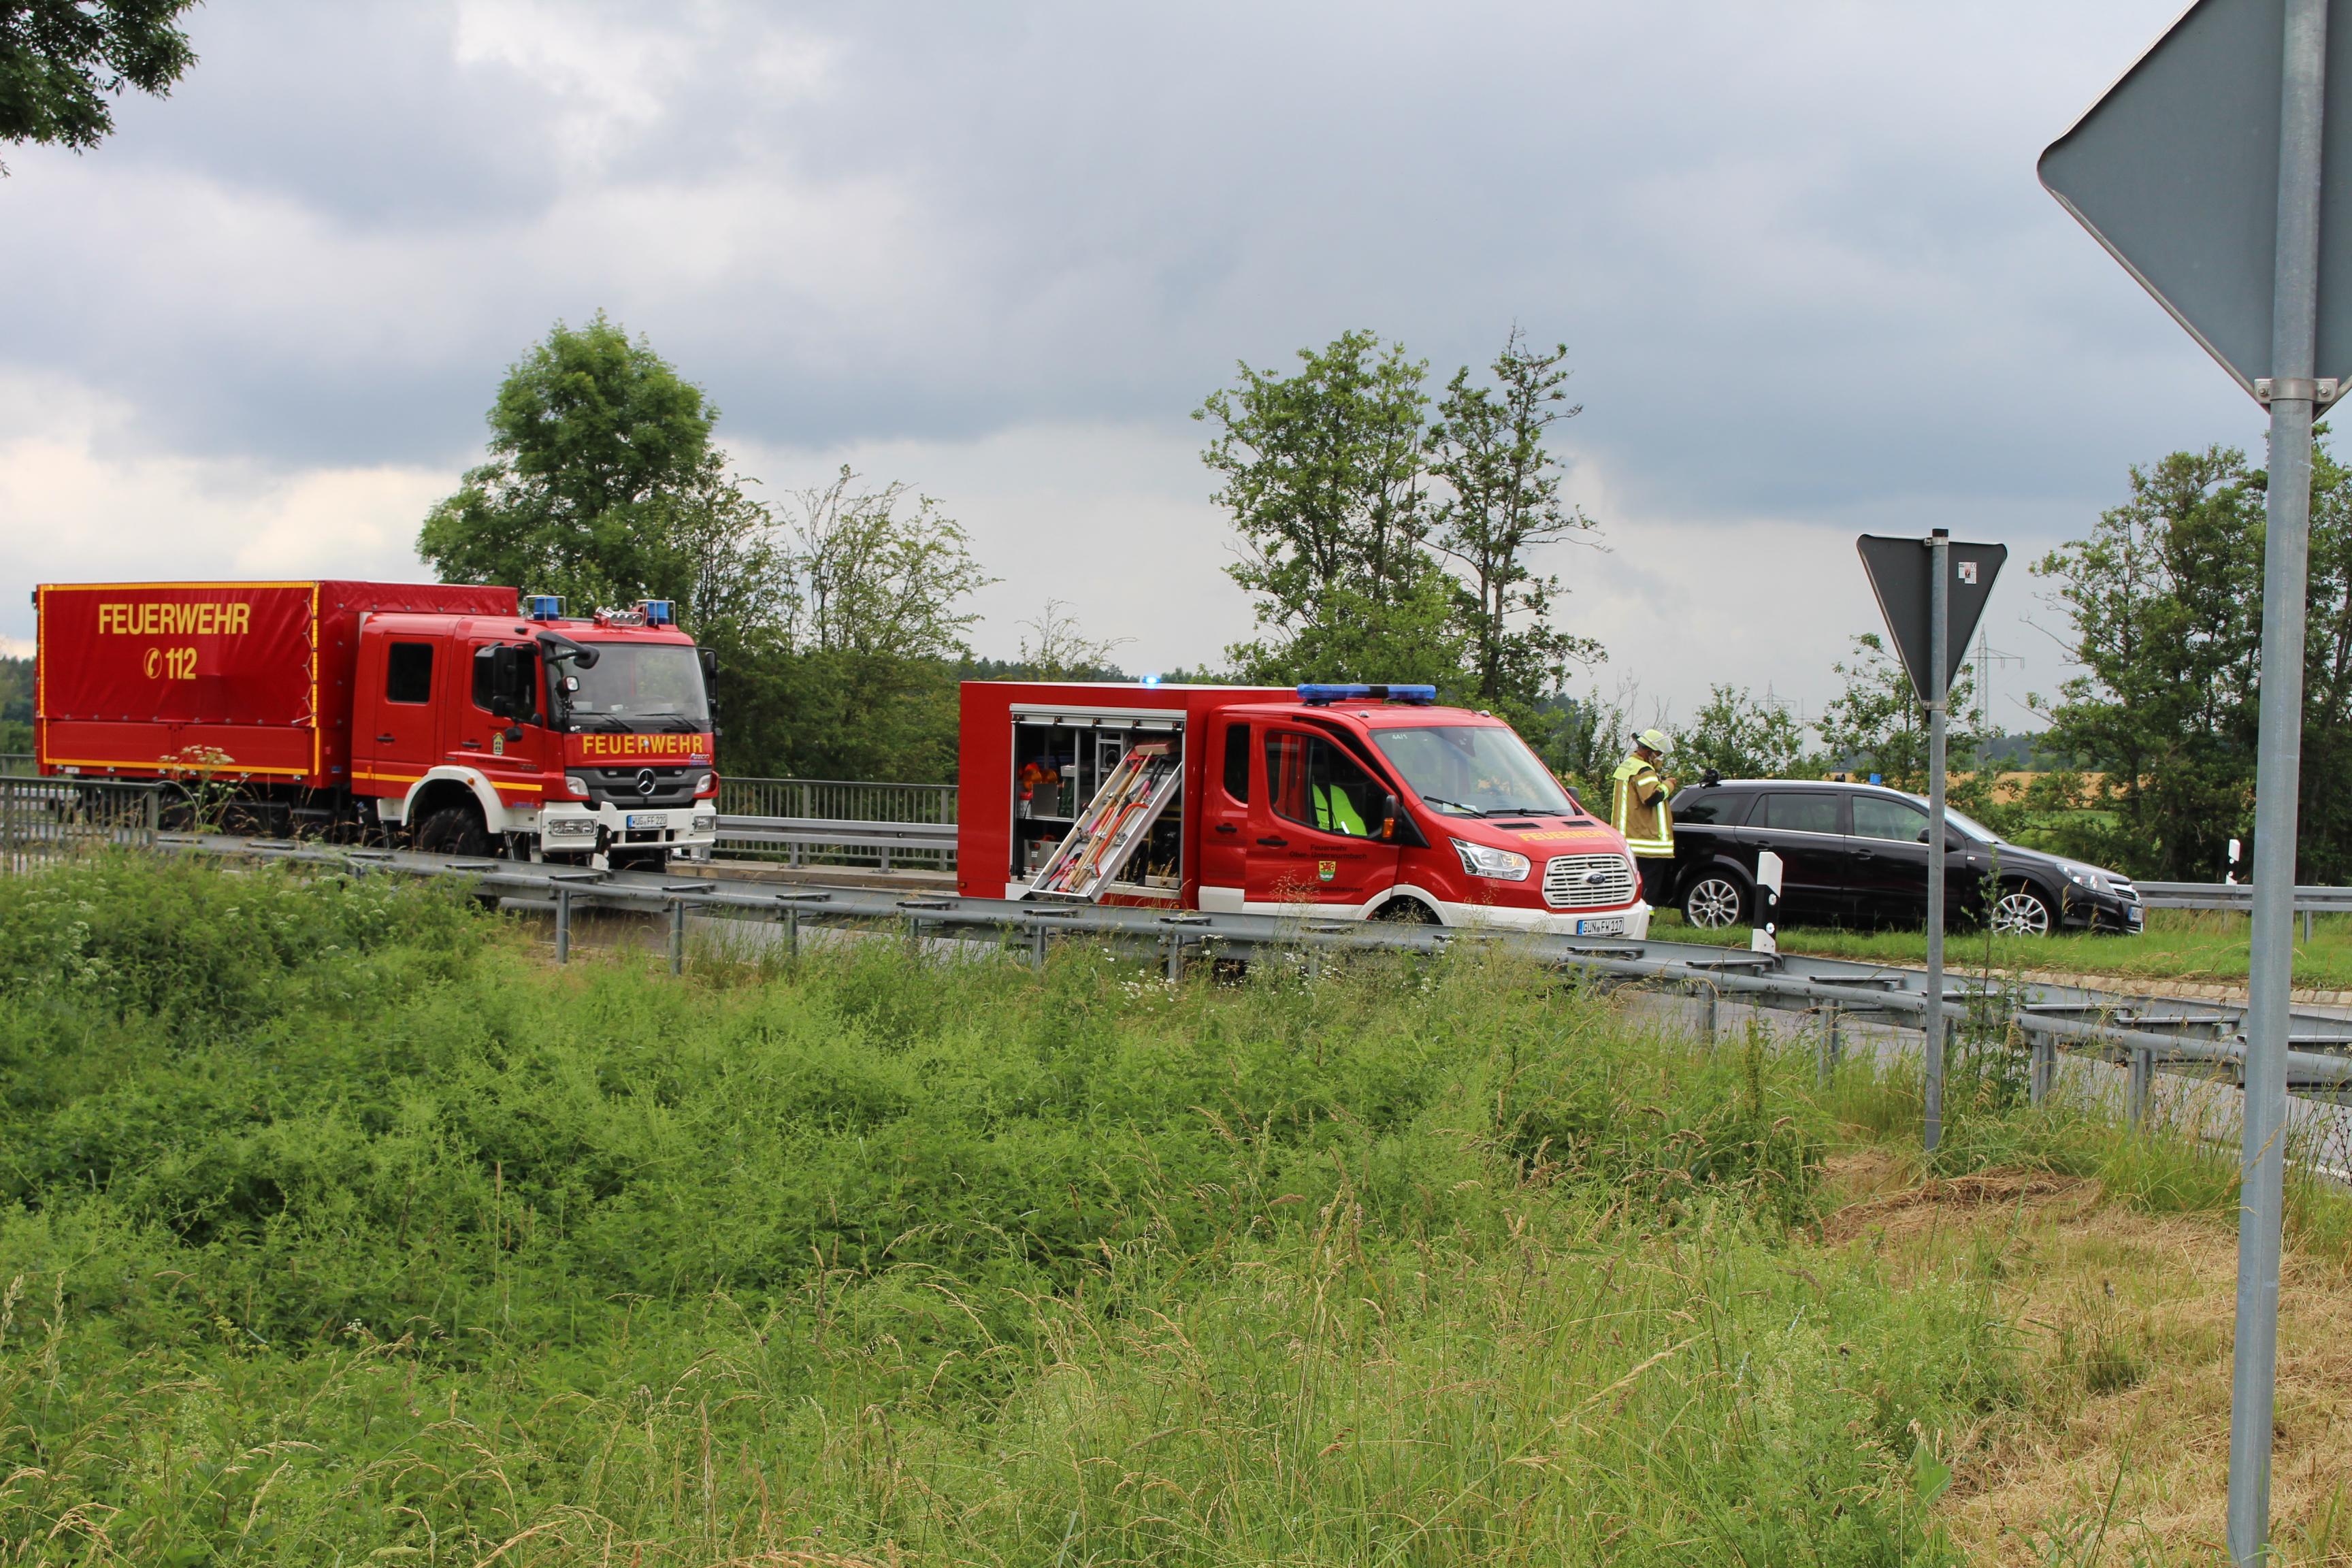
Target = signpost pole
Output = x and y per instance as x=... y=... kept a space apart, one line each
x=2278 y=766
x=1939 y=693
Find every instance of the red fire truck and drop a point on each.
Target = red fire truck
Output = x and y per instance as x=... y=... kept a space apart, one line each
x=1363 y=802
x=450 y=718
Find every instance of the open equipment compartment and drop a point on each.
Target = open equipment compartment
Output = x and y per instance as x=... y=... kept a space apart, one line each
x=1061 y=759
x=1115 y=823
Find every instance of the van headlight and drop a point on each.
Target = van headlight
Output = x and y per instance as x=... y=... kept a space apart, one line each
x=1497 y=864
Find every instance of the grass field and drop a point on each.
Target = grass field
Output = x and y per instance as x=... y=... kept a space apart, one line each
x=2180 y=944
x=340 y=1228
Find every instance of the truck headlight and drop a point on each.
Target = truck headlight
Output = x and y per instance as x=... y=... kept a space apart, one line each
x=706 y=822
x=1497 y=864
x=569 y=827
x=578 y=786
x=707 y=784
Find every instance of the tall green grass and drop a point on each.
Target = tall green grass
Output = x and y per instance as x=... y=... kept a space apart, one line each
x=340 y=1229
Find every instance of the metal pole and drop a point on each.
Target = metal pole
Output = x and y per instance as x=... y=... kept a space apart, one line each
x=2295 y=314
x=1939 y=622
x=677 y=936
x=1829 y=1042
x=562 y=923
x=2142 y=1085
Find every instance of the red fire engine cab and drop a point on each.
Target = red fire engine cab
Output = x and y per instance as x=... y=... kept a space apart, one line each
x=449 y=716
x=1357 y=802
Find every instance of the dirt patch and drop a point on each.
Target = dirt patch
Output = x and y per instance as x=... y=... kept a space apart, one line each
x=1888 y=1210
x=2119 y=1431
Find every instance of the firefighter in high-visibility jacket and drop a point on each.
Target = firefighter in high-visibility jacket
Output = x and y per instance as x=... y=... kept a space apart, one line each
x=1640 y=812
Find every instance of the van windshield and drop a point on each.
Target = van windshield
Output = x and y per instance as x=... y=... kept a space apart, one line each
x=1473 y=770
x=638 y=686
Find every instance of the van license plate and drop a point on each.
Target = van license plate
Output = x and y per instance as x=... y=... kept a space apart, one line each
x=645 y=819
x=1605 y=925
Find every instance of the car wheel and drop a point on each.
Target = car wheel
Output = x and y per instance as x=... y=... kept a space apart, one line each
x=2022 y=913
x=455 y=830
x=1715 y=903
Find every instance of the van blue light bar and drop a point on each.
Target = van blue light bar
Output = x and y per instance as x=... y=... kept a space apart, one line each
x=545 y=607
x=1318 y=696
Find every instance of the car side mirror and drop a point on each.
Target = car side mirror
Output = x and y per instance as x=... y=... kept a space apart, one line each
x=1389 y=809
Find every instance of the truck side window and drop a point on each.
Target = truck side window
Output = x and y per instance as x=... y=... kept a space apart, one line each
x=1237 y=762
x=1316 y=785
x=482 y=672
x=409 y=672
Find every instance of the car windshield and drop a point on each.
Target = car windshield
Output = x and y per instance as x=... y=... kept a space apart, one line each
x=1473 y=770
x=639 y=686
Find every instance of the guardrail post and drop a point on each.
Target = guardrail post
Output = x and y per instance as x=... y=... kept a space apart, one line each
x=793 y=935
x=677 y=936
x=562 y=923
x=2142 y=1083
x=1707 y=1008
x=1175 y=957
x=1830 y=1041
x=886 y=858
x=1037 y=945
x=2307 y=925
x=2043 y=1067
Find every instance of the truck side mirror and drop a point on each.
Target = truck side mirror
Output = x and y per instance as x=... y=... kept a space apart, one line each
x=709 y=663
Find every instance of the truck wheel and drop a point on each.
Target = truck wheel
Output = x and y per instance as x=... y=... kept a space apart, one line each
x=1714 y=902
x=456 y=830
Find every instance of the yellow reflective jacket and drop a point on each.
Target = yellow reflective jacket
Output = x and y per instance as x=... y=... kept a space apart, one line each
x=1639 y=809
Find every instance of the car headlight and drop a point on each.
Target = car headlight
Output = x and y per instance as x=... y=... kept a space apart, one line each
x=578 y=786
x=2084 y=877
x=1498 y=864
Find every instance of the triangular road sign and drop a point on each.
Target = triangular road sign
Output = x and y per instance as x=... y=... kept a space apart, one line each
x=1899 y=576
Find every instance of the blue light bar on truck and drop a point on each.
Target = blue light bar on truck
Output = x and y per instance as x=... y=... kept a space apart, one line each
x=1316 y=696
x=657 y=612
x=545 y=607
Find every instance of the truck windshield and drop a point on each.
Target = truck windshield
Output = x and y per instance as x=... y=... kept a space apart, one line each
x=1473 y=770
x=651 y=686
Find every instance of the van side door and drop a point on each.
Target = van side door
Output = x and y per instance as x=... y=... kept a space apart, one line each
x=1314 y=818
x=1225 y=830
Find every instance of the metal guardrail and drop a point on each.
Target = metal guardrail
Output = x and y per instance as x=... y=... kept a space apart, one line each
x=837 y=800
x=42 y=818
x=802 y=836
x=1833 y=989
x=2308 y=898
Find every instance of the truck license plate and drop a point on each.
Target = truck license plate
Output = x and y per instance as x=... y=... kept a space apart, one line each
x=645 y=819
x=1602 y=925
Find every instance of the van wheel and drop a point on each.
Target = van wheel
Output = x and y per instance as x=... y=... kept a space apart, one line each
x=1714 y=902
x=456 y=830
x=1406 y=912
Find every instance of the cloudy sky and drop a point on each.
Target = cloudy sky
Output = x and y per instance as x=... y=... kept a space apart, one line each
x=1807 y=277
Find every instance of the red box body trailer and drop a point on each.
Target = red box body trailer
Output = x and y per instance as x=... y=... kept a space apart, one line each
x=1334 y=800
x=387 y=711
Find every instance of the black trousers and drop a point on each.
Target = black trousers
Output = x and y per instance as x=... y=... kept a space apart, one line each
x=1657 y=879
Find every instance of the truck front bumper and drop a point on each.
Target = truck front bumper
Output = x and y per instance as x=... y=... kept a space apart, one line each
x=578 y=827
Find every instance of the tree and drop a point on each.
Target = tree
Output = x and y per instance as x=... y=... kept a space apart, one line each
x=1063 y=651
x=2166 y=609
x=600 y=466
x=1877 y=722
x=1741 y=735
x=1487 y=447
x=60 y=60
x=1324 y=475
x=871 y=578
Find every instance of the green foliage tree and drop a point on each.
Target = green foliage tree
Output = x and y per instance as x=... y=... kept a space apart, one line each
x=2165 y=598
x=61 y=61
x=1741 y=735
x=1877 y=724
x=15 y=705
x=1488 y=449
x=1058 y=648
x=1324 y=473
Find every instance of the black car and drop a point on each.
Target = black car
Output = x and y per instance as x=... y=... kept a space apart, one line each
x=1854 y=854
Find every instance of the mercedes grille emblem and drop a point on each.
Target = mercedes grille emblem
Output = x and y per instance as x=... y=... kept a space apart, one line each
x=645 y=780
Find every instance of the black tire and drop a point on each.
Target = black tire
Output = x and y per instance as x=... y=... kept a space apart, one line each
x=456 y=830
x=2022 y=911
x=1407 y=913
x=1714 y=901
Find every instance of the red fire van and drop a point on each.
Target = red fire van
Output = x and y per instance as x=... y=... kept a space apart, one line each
x=1359 y=802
